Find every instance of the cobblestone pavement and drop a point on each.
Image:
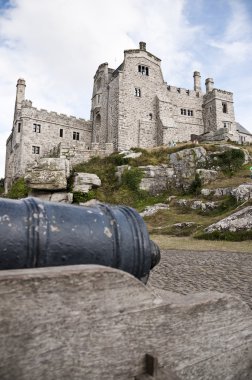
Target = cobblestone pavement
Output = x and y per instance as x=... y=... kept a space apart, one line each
x=193 y=271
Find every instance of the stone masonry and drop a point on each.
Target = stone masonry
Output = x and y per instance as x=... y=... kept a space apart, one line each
x=132 y=106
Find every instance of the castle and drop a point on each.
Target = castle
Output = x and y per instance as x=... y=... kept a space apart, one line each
x=132 y=106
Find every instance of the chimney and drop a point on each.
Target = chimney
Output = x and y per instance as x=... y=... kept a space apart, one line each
x=20 y=93
x=197 y=80
x=209 y=85
x=142 y=45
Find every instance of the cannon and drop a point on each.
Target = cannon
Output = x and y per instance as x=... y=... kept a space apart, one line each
x=42 y=234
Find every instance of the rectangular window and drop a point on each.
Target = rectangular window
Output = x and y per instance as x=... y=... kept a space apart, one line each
x=144 y=70
x=61 y=132
x=185 y=112
x=224 y=107
x=35 y=149
x=19 y=127
x=137 y=92
x=36 y=128
x=76 y=136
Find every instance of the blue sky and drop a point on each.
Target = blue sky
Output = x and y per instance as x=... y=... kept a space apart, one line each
x=57 y=45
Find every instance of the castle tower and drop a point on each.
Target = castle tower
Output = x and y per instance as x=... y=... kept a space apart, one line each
x=20 y=93
x=197 y=81
x=209 y=85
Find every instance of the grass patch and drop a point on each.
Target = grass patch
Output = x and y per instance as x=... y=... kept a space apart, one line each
x=226 y=235
x=189 y=243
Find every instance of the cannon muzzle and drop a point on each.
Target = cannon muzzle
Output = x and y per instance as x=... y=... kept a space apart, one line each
x=41 y=234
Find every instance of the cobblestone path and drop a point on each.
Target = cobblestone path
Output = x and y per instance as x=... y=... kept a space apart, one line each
x=193 y=271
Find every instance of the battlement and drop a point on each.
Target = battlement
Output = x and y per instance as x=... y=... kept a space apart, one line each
x=51 y=114
x=183 y=91
x=217 y=93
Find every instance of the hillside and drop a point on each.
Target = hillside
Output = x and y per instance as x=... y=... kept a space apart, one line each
x=191 y=185
x=182 y=217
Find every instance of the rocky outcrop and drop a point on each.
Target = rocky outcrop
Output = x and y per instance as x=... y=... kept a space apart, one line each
x=131 y=154
x=48 y=174
x=185 y=162
x=207 y=176
x=83 y=182
x=240 y=220
x=197 y=205
x=243 y=192
x=218 y=193
x=156 y=178
x=150 y=210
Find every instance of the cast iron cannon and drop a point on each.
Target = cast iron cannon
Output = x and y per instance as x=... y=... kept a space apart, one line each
x=42 y=234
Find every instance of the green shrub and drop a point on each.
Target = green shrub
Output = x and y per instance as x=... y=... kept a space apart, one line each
x=132 y=178
x=196 y=185
x=79 y=197
x=18 y=190
x=230 y=161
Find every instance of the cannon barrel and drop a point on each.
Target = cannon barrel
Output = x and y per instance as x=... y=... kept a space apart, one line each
x=41 y=234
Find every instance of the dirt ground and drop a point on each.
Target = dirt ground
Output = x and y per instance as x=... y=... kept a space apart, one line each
x=190 y=271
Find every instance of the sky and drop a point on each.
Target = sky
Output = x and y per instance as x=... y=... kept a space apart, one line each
x=57 y=45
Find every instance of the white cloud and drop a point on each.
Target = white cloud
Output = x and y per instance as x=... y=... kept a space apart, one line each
x=57 y=46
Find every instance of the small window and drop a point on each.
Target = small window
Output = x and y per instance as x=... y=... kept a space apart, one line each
x=224 y=107
x=19 y=127
x=36 y=128
x=188 y=92
x=210 y=109
x=98 y=98
x=144 y=70
x=61 y=132
x=150 y=116
x=137 y=92
x=76 y=136
x=35 y=149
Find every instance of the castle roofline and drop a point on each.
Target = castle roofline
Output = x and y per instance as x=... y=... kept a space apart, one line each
x=142 y=47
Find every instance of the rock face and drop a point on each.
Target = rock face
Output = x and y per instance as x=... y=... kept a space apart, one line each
x=207 y=176
x=48 y=174
x=150 y=210
x=242 y=193
x=218 y=193
x=83 y=182
x=197 y=205
x=185 y=163
x=240 y=220
x=156 y=178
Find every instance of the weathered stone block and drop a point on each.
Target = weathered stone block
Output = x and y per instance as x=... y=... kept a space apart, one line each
x=83 y=182
x=48 y=174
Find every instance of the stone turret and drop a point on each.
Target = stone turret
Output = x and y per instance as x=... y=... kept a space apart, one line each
x=209 y=85
x=197 y=82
